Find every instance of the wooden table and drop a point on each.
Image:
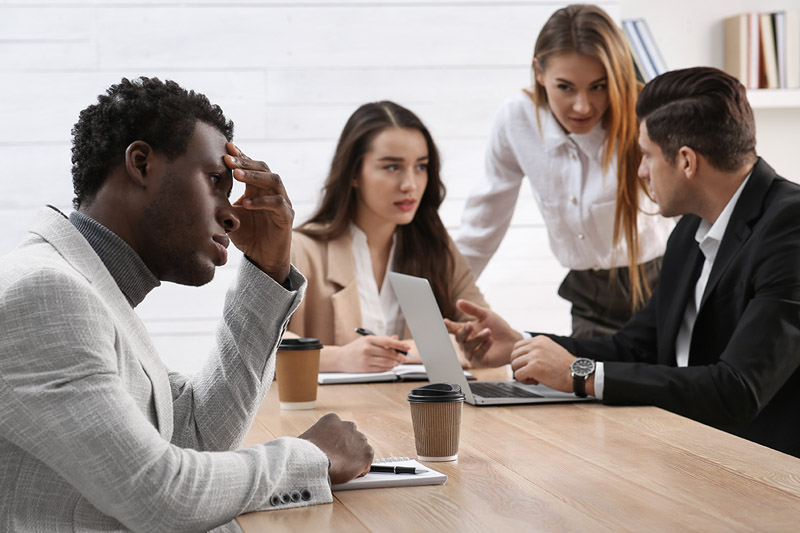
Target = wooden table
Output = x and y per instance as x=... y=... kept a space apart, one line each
x=557 y=467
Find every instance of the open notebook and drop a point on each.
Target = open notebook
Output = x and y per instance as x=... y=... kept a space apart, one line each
x=399 y=373
x=373 y=480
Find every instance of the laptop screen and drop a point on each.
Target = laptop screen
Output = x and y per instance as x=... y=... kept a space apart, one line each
x=426 y=324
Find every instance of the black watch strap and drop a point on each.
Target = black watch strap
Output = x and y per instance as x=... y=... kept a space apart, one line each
x=581 y=369
x=579 y=386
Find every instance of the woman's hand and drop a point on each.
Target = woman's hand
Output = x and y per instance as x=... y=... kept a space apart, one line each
x=372 y=353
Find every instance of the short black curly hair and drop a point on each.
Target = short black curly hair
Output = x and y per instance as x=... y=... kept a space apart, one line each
x=161 y=113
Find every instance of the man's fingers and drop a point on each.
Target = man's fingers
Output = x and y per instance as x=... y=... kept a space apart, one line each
x=233 y=149
x=246 y=163
x=263 y=179
x=455 y=328
x=479 y=337
x=463 y=333
x=472 y=309
x=478 y=345
x=239 y=159
x=272 y=202
x=482 y=349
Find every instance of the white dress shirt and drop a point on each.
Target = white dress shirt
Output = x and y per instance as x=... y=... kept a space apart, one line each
x=708 y=237
x=576 y=198
x=380 y=311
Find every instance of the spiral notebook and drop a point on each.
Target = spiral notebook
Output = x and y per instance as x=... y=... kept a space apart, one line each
x=373 y=480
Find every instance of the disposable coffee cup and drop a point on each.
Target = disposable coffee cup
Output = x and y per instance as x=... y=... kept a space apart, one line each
x=296 y=373
x=436 y=417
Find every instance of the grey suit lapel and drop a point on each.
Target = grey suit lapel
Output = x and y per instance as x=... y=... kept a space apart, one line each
x=55 y=228
x=738 y=231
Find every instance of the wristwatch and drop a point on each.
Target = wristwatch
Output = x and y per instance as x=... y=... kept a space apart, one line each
x=580 y=370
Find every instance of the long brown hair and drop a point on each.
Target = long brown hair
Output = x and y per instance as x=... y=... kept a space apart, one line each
x=589 y=31
x=422 y=247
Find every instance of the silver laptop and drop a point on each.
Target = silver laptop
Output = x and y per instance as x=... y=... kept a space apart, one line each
x=439 y=356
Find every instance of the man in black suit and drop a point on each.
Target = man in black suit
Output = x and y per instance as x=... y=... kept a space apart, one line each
x=719 y=341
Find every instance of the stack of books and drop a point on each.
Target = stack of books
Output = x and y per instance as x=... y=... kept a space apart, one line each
x=763 y=49
x=647 y=57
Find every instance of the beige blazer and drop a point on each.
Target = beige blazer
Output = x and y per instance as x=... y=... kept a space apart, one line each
x=331 y=310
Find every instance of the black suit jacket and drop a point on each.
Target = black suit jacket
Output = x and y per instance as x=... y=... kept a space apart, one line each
x=744 y=357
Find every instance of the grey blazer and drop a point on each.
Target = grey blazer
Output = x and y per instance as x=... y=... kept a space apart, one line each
x=97 y=435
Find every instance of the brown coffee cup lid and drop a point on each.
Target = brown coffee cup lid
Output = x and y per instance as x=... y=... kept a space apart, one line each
x=303 y=343
x=436 y=392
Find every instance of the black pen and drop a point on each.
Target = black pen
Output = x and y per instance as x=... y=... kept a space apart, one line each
x=386 y=469
x=366 y=332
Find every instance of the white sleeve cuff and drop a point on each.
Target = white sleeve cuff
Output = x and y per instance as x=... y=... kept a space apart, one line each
x=599 y=379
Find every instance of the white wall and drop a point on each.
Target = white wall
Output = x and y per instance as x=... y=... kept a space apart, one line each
x=289 y=74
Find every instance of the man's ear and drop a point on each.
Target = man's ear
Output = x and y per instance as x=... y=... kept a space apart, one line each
x=687 y=162
x=138 y=162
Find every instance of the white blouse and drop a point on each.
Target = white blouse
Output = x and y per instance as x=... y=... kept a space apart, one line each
x=575 y=197
x=380 y=311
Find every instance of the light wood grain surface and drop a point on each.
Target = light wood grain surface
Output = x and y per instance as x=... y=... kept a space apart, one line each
x=558 y=467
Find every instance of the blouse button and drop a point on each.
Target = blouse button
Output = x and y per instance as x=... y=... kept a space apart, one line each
x=573 y=200
x=581 y=236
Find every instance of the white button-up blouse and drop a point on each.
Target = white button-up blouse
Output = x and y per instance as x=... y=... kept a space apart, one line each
x=576 y=198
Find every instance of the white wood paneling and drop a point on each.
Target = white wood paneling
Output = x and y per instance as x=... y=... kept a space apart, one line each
x=289 y=74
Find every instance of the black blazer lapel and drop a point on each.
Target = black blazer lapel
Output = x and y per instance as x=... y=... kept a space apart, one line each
x=747 y=209
x=680 y=283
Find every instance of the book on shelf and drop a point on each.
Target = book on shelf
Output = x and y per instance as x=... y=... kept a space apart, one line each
x=647 y=57
x=737 y=60
x=769 y=76
x=637 y=61
x=650 y=46
x=412 y=372
x=762 y=50
x=375 y=480
x=742 y=35
x=792 y=48
x=640 y=58
x=779 y=27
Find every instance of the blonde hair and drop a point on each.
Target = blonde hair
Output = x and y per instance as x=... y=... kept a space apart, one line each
x=589 y=31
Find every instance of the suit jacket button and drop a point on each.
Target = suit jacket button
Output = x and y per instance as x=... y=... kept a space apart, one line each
x=296 y=496
x=287 y=498
x=275 y=500
x=305 y=494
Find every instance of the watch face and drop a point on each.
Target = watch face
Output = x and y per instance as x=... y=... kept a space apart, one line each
x=582 y=366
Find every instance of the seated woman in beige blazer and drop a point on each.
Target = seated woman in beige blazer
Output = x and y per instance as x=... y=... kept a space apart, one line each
x=379 y=212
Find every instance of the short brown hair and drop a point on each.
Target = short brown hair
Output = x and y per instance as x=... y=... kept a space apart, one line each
x=702 y=108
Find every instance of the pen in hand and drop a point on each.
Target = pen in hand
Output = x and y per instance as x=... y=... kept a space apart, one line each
x=386 y=469
x=366 y=332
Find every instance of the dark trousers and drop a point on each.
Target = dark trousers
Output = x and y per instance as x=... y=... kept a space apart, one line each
x=601 y=303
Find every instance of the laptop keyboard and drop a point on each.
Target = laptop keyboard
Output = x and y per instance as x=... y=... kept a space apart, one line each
x=500 y=390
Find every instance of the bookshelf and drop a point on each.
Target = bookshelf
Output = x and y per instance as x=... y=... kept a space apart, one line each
x=698 y=40
x=774 y=98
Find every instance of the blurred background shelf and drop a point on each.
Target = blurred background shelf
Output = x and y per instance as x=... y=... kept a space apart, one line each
x=774 y=98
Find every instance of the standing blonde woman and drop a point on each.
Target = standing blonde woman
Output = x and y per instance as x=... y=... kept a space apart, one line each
x=574 y=136
x=379 y=212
